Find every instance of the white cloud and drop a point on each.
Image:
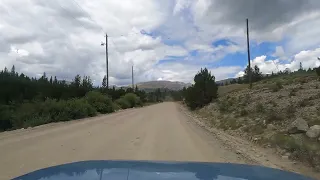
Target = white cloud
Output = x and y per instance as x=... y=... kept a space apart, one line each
x=279 y=52
x=267 y=66
x=62 y=39
x=185 y=72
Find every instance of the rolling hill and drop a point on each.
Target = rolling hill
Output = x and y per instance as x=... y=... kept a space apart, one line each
x=172 y=85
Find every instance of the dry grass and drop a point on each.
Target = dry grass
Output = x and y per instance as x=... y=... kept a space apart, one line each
x=223 y=90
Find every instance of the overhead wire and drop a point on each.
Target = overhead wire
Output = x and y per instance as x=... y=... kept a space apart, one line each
x=89 y=16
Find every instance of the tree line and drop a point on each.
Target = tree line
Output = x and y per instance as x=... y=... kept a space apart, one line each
x=26 y=101
x=256 y=74
x=205 y=89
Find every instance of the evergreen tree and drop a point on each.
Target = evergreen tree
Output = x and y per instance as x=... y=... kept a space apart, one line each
x=203 y=91
x=256 y=75
x=309 y=70
x=300 y=67
x=13 y=70
x=246 y=74
x=77 y=81
x=55 y=81
x=318 y=70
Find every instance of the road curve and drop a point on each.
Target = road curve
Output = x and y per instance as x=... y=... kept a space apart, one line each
x=157 y=132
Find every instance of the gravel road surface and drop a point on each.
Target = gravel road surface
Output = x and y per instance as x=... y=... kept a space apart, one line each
x=157 y=132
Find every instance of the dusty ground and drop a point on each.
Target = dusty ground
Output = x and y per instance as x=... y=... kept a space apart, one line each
x=157 y=132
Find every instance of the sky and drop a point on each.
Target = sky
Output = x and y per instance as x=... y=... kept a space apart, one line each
x=163 y=39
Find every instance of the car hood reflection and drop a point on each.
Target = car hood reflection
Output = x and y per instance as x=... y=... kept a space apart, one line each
x=145 y=170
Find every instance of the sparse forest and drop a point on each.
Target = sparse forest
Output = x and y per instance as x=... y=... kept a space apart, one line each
x=26 y=101
x=205 y=89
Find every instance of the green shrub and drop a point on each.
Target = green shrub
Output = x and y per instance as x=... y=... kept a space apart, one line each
x=133 y=100
x=100 y=102
x=260 y=108
x=5 y=117
x=116 y=106
x=272 y=115
x=24 y=113
x=318 y=70
x=223 y=106
x=276 y=86
x=254 y=129
x=37 y=113
x=243 y=112
x=229 y=123
x=290 y=111
x=285 y=142
x=304 y=103
x=292 y=93
x=79 y=108
x=123 y=103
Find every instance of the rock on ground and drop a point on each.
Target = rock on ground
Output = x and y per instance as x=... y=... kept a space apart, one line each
x=298 y=126
x=314 y=131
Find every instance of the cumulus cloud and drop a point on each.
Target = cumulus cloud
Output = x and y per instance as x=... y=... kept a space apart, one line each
x=63 y=38
x=309 y=59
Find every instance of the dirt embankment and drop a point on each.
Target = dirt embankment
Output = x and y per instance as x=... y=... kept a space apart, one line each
x=280 y=115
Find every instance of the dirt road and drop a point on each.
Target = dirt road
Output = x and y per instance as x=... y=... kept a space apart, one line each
x=157 y=132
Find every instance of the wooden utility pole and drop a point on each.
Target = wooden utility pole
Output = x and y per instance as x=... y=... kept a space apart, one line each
x=132 y=79
x=248 y=47
x=107 y=61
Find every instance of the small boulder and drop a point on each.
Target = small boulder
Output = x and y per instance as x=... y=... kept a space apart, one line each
x=271 y=127
x=314 y=131
x=298 y=126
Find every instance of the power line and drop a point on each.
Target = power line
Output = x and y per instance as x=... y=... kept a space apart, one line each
x=89 y=16
x=70 y=14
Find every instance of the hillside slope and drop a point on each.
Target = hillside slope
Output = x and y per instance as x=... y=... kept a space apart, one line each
x=281 y=113
x=172 y=85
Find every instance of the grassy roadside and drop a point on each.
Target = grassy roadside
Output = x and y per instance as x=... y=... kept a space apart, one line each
x=265 y=114
x=35 y=113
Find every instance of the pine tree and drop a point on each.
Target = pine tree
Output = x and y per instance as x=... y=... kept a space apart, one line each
x=13 y=70
x=300 y=67
x=317 y=70
x=77 y=80
x=203 y=91
x=246 y=74
x=256 y=75
x=309 y=70
x=50 y=80
x=55 y=81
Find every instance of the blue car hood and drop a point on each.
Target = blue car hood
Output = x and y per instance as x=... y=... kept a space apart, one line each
x=150 y=170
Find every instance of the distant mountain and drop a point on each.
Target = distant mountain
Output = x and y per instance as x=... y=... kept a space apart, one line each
x=171 y=85
x=224 y=81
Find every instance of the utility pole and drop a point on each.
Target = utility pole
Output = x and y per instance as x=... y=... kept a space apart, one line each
x=107 y=63
x=248 y=47
x=132 y=79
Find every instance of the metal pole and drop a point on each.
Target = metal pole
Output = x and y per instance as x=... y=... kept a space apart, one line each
x=248 y=47
x=107 y=63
